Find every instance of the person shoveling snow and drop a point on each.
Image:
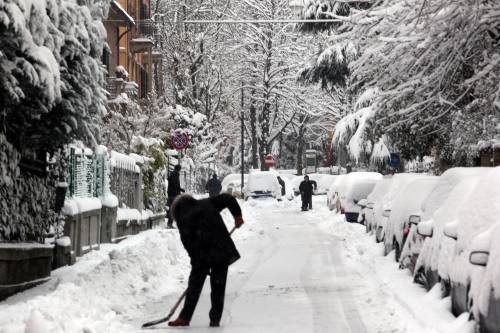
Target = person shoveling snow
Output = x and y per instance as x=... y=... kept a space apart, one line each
x=210 y=247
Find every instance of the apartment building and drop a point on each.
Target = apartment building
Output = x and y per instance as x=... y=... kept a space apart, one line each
x=131 y=59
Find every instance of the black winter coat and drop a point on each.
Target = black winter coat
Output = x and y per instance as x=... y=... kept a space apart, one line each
x=202 y=230
x=174 y=185
x=307 y=187
x=213 y=186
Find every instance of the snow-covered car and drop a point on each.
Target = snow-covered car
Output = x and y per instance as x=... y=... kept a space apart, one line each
x=438 y=198
x=288 y=176
x=377 y=194
x=332 y=194
x=485 y=258
x=354 y=187
x=262 y=184
x=296 y=183
x=316 y=177
x=478 y=214
x=382 y=208
x=359 y=190
x=408 y=201
x=325 y=183
x=313 y=176
x=232 y=183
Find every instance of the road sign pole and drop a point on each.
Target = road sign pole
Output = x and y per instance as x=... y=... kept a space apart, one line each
x=242 y=140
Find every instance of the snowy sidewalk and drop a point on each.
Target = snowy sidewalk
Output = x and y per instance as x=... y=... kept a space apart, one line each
x=299 y=272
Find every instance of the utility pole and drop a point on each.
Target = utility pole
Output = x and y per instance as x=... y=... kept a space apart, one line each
x=242 y=141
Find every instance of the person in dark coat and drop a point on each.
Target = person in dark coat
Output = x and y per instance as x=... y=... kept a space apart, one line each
x=306 y=189
x=282 y=184
x=173 y=190
x=210 y=247
x=315 y=187
x=213 y=186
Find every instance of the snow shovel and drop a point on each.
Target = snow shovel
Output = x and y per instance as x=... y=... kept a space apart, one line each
x=174 y=308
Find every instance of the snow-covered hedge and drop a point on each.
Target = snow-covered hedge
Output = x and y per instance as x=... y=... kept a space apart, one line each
x=26 y=202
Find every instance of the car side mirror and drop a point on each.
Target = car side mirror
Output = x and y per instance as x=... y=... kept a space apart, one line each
x=386 y=213
x=450 y=230
x=479 y=258
x=414 y=219
x=425 y=229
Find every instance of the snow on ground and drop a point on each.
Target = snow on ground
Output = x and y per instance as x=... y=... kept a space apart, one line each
x=299 y=272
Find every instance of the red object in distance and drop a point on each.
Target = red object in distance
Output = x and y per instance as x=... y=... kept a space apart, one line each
x=269 y=161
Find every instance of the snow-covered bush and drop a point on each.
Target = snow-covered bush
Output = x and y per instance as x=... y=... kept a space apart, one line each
x=51 y=76
x=26 y=201
x=154 y=169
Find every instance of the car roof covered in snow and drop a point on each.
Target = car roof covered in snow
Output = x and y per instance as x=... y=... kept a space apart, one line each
x=408 y=201
x=351 y=178
x=263 y=181
x=448 y=180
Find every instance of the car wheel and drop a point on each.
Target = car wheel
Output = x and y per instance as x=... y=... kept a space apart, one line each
x=420 y=277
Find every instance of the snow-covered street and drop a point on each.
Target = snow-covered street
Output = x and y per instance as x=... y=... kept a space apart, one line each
x=299 y=272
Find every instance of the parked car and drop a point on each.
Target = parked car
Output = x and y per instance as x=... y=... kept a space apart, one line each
x=232 y=183
x=377 y=194
x=324 y=183
x=262 y=184
x=332 y=200
x=350 y=203
x=478 y=214
x=440 y=208
x=354 y=187
x=408 y=201
x=313 y=176
x=485 y=282
x=382 y=208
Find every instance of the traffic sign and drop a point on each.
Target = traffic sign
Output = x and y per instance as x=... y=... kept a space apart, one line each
x=180 y=140
x=395 y=160
x=269 y=161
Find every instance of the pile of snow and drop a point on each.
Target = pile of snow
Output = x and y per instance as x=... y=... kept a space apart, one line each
x=131 y=214
x=74 y=206
x=105 y=291
x=122 y=161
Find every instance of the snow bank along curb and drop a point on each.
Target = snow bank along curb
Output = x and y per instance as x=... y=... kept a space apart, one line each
x=104 y=290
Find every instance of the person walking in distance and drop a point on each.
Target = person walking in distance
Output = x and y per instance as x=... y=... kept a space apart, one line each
x=213 y=186
x=173 y=190
x=315 y=187
x=306 y=190
x=210 y=247
x=282 y=184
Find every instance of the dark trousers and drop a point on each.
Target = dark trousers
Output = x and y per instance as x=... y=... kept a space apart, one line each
x=170 y=220
x=310 y=200
x=306 y=201
x=218 y=277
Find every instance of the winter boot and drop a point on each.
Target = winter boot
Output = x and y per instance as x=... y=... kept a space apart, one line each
x=179 y=322
x=214 y=324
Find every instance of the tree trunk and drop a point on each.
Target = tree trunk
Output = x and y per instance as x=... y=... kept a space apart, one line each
x=300 y=149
